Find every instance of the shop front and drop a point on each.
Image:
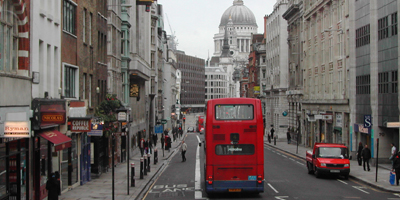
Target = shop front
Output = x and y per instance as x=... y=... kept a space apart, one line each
x=15 y=133
x=363 y=135
x=98 y=148
x=49 y=144
x=79 y=127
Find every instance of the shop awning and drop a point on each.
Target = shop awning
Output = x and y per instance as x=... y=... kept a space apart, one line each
x=59 y=140
x=338 y=129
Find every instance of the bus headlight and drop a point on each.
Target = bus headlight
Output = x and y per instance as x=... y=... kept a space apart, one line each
x=346 y=165
x=323 y=164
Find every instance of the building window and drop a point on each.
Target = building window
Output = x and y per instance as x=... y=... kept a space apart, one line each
x=84 y=26
x=90 y=29
x=394 y=82
x=363 y=36
x=70 y=81
x=8 y=38
x=383 y=28
x=363 y=84
x=383 y=83
x=394 y=23
x=69 y=17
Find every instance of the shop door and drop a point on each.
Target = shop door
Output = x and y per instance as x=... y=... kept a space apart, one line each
x=84 y=160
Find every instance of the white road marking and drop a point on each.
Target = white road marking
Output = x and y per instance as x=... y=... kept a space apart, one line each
x=360 y=188
x=342 y=181
x=276 y=191
x=291 y=159
x=300 y=163
x=197 y=187
x=284 y=156
x=281 y=197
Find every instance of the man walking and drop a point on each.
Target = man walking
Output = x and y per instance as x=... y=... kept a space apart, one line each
x=183 y=148
x=366 y=155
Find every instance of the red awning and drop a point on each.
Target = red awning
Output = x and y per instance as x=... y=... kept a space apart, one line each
x=59 y=140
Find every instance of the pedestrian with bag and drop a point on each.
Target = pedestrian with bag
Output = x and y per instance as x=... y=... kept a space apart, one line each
x=396 y=167
x=359 y=151
x=52 y=187
x=366 y=155
x=183 y=150
x=393 y=153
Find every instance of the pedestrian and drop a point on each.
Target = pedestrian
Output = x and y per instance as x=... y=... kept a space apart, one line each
x=146 y=146
x=155 y=140
x=169 y=141
x=149 y=145
x=52 y=187
x=289 y=137
x=393 y=153
x=57 y=176
x=183 y=148
x=366 y=155
x=162 y=142
x=272 y=131
x=141 y=146
x=359 y=151
x=396 y=167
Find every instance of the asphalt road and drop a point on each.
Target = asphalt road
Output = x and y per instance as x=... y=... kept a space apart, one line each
x=286 y=177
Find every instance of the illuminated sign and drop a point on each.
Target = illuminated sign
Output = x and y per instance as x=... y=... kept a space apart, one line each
x=57 y=118
x=81 y=125
x=17 y=129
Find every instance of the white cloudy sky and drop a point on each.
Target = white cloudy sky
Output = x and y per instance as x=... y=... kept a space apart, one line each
x=196 y=21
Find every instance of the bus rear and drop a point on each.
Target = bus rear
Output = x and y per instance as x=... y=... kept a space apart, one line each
x=234 y=146
x=199 y=123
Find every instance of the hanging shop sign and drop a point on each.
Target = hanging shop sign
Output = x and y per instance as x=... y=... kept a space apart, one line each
x=96 y=129
x=80 y=125
x=17 y=129
x=48 y=113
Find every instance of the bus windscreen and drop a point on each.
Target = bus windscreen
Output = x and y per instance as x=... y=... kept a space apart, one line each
x=236 y=149
x=234 y=112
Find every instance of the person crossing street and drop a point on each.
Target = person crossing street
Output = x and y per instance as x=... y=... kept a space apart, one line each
x=183 y=150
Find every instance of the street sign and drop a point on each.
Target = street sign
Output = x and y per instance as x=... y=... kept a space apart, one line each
x=367 y=121
x=163 y=121
x=158 y=129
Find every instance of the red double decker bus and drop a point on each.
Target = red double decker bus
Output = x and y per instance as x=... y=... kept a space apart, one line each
x=199 y=122
x=234 y=146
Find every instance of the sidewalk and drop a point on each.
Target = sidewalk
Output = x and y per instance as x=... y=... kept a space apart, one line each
x=357 y=172
x=101 y=187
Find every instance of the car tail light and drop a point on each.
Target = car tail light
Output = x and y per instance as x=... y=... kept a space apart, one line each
x=210 y=181
x=259 y=179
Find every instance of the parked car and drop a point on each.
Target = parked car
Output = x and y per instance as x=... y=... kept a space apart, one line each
x=190 y=129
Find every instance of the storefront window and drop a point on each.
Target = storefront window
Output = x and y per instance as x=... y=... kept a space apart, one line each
x=74 y=155
x=3 y=171
x=24 y=172
x=43 y=161
x=64 y=169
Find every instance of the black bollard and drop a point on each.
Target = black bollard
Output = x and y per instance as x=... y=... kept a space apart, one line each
x=132 y=174
x=155 y=156
x=141 y=168
x=145 y=165
x=274 y=140
x=148 y=162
